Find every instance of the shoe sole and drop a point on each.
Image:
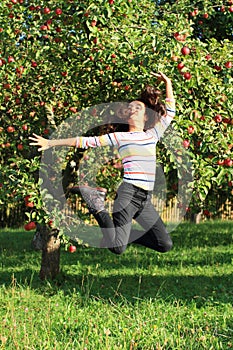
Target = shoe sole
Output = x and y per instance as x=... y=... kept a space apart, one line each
x=78 y=189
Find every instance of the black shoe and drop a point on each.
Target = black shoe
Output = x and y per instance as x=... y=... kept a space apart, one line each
x=93 y=196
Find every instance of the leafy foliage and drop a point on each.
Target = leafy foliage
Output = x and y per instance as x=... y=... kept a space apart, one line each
x=64 y=56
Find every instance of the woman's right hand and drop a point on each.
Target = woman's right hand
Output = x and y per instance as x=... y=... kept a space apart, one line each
x=161 y=76
x=39 y=141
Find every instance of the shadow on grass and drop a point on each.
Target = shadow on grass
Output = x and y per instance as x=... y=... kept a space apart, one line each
x=138 y=274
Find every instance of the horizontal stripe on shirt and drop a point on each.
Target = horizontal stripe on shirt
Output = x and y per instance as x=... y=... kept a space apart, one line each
x=136 y=149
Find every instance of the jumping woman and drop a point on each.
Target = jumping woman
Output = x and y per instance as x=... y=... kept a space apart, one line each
x=148 y=118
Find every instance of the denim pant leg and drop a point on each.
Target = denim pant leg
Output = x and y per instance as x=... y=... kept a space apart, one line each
x=155 y=235
x=116 y=232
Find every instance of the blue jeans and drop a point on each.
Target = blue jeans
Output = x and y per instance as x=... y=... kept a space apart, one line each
x=132 y=202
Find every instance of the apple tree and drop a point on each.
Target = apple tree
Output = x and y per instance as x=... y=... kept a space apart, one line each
x=58 y=58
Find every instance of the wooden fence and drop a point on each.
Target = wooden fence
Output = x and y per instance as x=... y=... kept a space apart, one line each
x=13 y=216
x=169 y=211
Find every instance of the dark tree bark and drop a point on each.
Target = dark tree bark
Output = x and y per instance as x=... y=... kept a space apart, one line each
x=196 y=218
x=48 y=241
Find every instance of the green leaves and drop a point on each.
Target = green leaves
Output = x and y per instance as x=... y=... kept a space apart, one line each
x=96 y=52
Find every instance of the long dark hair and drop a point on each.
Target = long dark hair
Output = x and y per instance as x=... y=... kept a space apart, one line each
x=155 y=109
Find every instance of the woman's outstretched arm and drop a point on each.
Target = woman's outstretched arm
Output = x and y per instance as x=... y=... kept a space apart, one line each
x=45 y=144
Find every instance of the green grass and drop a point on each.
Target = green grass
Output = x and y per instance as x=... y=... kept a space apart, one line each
x=140 y=300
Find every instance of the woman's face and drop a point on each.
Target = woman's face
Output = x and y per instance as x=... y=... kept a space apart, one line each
x=137 y=111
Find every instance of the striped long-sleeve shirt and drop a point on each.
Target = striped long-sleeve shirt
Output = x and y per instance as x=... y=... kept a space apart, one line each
x=136 y=149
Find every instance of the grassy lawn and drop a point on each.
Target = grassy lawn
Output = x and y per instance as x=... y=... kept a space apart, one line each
x=139 y=300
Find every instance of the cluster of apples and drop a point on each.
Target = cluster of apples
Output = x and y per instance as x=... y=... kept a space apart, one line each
x=185 y=51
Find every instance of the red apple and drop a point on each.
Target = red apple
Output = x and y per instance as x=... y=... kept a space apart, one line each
x=218 y=68
x=187 y=76
x=73 y=109
x=6 y=86
x=185 y=50
x=228 y=162
x=11 y=59
x=111 y=2
x=26 y=198
x=220 y=162
x=179 y=37
x=93 y=23
x=218 y=118
x=29 y=204
x=208 y=57
x=206 y=212
x=58 y=11
x=228 y=64
x=174 y=58
x=205 y=15
x=30 y=226
x=34 y=64
x=180 y=65
x=50 y=223
x=230 y=9
x=58 y=40
x=72 y=248
x=191 y=129
x=10 y=129
x=20 y=146
x=186 y=143
x=46 y=10
x=43 y=27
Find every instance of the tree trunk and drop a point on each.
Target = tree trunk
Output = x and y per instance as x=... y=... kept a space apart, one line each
x=196 y=218
x=50 y=244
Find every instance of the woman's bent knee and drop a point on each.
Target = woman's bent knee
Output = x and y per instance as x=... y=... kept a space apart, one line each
x=166 y=246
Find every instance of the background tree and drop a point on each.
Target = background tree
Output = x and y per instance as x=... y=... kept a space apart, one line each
x=59 y=57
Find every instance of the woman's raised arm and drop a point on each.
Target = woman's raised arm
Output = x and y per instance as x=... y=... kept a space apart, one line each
x=169 y=90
